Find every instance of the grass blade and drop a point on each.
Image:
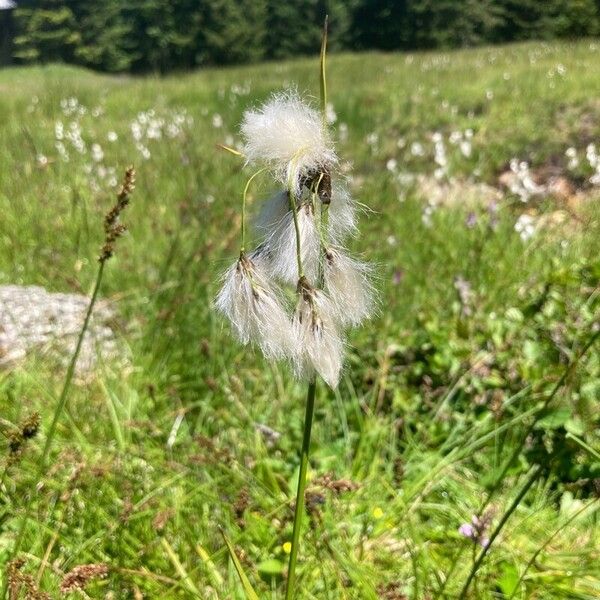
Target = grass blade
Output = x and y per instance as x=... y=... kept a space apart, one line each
x=248 y=589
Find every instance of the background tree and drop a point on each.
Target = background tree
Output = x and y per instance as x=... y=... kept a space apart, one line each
x=233 y=31
x=47 y=31
x=105 y=35
x=153 y=35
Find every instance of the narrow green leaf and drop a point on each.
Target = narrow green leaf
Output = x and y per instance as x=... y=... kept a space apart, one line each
x=248 y=589
x=323 y=78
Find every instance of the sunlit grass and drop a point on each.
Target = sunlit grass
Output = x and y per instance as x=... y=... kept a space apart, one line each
x=413 y=424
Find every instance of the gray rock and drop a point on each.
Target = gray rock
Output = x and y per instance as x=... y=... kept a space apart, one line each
x=33 y=320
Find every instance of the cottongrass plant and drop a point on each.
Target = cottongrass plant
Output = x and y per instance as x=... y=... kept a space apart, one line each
x=303 y=227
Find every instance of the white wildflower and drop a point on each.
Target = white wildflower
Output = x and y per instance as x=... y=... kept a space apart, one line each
x=287 y=134
x=330 y=114
x=416 y=149
x=59 y=130
x=97 y=152
x=217 y=121
x=525 y=226
x=252 y=306
x=320 y=345
x=571 y=154
x=347 y=283
x=343 y=132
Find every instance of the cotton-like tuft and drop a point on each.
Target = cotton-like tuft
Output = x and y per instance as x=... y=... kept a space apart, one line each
x=288 y=135
x=320 y=344
x=255 y=311
x=280 y=246
x=342 y=214
x=272 y=212
x=348 y=285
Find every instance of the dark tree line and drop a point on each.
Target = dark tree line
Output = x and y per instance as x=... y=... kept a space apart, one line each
x=165 y=35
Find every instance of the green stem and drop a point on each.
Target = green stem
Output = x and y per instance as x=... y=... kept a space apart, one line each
x=498 y=529
x=548 y=540
x=294 y=207
x=323 y=74
x=299 y=511
x=519 y=447
x=243 y=227
x=62 y=401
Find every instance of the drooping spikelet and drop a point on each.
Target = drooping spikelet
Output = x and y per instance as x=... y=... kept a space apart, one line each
x=289 y=136
x=347 y=283
x=254 y=309
x=272 y=212
x=281 y=246
x=302 y=229
x=320 y=345
x=342 y=214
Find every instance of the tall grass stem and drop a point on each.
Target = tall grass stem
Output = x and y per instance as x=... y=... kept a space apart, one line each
x=58 y=410
x=299 y=510
x=511 y=509
x=62 y=401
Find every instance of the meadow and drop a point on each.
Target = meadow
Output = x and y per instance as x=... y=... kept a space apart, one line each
x=474 y=392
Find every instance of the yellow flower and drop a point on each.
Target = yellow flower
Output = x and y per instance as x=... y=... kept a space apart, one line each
x=377 y=513
x=287 y=547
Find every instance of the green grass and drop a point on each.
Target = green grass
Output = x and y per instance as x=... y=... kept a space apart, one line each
x=433 y=400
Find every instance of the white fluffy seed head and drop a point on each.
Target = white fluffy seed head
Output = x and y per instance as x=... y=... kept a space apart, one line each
x=320 y=346
x=342 y=214
x=348 y=285
x=281 y=258
x=272 y=212
x=254 y=309
x=288 y=135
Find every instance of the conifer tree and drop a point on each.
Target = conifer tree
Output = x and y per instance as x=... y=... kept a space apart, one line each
x=47 y=32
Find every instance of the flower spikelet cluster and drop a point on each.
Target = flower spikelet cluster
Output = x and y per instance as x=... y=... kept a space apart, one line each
x=287 y=134
x=302 y=229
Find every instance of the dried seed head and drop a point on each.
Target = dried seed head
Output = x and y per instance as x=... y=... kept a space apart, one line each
x=289 y=136
x=280 y=247
x=22 y=582
x=320 y=345
x=253 y=307
x=347 y=283
x=30 y=426
x=80 y=576
x=112 y=228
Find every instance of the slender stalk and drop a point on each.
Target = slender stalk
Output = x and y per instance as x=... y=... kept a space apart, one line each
x=548 y=540
x=322 y=73
x=519 y=447
x=294 y=207
x=299 y=510
x=312 y=386
x=245 y=194
x=71 y=369
x=498 y=529
x=58 y=410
